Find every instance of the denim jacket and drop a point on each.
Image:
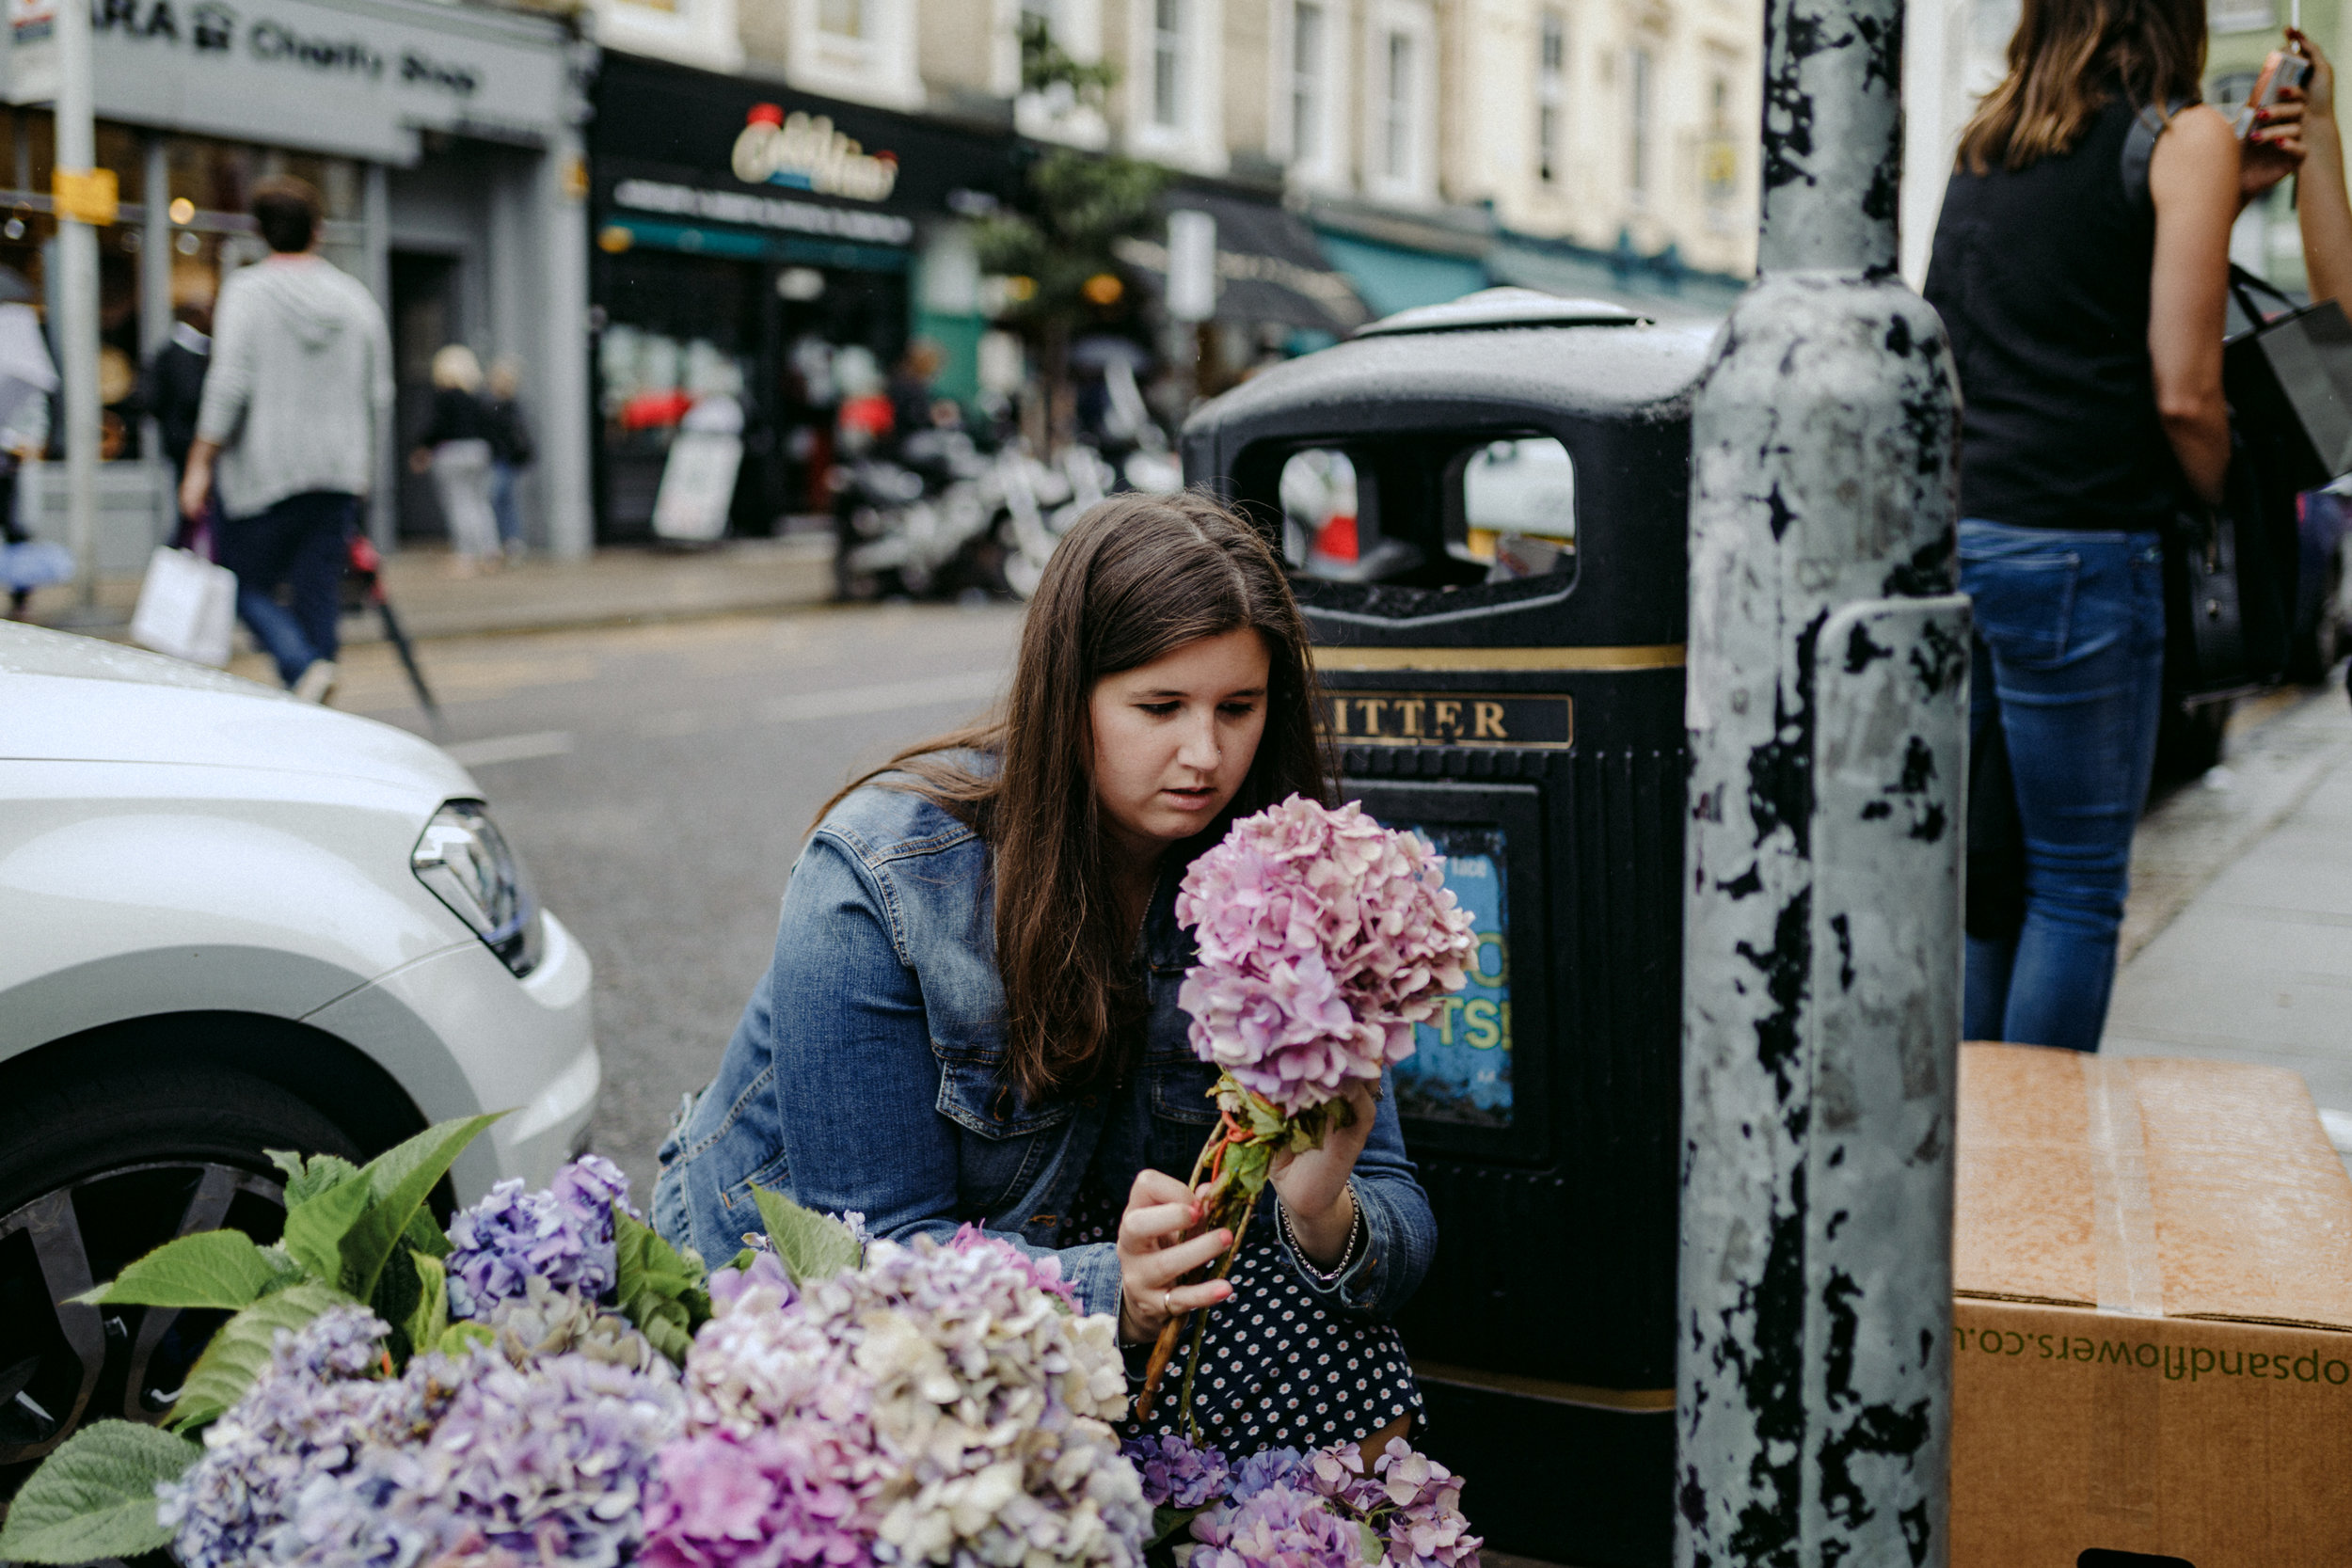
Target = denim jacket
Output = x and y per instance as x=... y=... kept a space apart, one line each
x=868 y=1074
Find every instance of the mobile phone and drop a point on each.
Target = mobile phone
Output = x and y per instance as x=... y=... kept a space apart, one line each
x=2280 y=71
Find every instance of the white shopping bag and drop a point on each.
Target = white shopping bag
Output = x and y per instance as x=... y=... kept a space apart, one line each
x=187 y=608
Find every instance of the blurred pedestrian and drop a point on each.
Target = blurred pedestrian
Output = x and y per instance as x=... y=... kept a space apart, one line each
x=301 y=373
x=171 y=392
x=2081 y=264
x=27 y=377
x=456 y=450
x=511 y=449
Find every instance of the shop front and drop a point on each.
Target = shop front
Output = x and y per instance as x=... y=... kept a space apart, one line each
x=444 y=141
x=765 y=256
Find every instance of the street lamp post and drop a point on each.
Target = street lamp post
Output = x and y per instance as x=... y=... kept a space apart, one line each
x=84 y=196
x=1826 y=710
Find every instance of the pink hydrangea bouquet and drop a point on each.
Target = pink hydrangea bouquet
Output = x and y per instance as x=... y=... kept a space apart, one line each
x=1324 y=938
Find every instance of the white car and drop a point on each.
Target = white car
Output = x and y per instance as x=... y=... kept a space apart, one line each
x=233 y=922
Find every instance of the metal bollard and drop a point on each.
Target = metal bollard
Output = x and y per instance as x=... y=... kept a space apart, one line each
x=1827 y=712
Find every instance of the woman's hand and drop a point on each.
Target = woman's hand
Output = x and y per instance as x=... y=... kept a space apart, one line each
x=2319 y=87
x=2273 y=147
x=1314 y=1185
x=1154 y=1256
x=2321 y=204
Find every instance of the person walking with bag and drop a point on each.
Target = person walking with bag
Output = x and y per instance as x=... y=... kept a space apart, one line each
x=301 y=375
x=2080 y=265
x=455 y=448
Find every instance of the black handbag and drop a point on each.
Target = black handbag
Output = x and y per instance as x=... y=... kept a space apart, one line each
x=2229 y=570
x=2229 y=592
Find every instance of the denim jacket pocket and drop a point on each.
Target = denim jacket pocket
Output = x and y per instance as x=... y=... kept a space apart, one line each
x=974 y=1094
x=1180 y=1092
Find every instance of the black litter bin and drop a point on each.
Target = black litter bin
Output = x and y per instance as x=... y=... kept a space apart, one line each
x=1484 y=505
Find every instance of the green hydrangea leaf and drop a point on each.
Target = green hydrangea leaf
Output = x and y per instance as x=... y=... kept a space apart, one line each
x=347 y=1233
x=1166 y=1522
x=428 y=1320
x=95 y=1497
x=220 y=1269
x=1369 y=1541
x=242 y=1348
x=459 y=1337
x=810 y=1245
x=660 y=1290
x=306 y=1178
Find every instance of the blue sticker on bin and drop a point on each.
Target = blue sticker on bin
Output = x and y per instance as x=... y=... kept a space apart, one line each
x=1460 y=1069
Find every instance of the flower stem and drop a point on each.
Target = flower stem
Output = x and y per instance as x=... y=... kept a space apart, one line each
x=1165 y=1346
x=1201 y=1329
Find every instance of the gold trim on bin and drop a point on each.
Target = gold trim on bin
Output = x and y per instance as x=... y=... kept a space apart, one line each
x=1643 y=1401
x=1653 y=655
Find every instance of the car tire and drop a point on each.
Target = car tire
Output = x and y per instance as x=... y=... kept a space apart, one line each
x=100 y=1168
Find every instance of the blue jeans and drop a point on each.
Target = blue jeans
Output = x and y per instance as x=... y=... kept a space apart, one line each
x=302 y=542
x=503 y=476
x=2069 y=661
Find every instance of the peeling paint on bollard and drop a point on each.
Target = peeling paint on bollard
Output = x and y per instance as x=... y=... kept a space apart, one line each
x=1827 y=713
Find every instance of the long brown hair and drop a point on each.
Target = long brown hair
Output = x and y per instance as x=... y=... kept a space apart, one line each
x=1137 y=578
x=2065 y=60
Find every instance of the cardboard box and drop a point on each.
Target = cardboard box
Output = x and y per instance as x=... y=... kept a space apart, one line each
x=2154 y=1331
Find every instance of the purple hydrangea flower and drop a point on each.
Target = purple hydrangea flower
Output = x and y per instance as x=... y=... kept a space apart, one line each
x=510 y=1235
x=1279 y=1528
x=781 y=1497
x=1177 y=1474
x=935 y=1404
x=311 y=1410
x=1043 y=1270
x=1324 y=939
x=1264 y=1468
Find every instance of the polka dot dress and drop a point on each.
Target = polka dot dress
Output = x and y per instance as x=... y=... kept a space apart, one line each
x=1277 y=1369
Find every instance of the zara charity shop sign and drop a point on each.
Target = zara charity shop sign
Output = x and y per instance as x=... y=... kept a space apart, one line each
x=360 y=78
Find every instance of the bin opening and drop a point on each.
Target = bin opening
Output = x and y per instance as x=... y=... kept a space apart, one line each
x=1455 y=515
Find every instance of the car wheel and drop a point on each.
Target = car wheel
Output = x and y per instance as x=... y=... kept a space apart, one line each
x=105 y=1168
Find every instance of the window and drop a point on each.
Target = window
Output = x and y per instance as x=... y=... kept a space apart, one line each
x=1167 y=63
x=1638 y=149
x=1396 y=109
x=1552 y=75
x=1308 y=90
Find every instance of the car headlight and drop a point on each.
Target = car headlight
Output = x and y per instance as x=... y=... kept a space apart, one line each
x=464 y=860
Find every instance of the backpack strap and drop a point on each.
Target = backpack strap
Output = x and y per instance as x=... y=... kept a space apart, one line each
x=2140 y=146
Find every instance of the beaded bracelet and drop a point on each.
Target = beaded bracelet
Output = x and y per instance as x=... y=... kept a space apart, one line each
x=1355 y=1235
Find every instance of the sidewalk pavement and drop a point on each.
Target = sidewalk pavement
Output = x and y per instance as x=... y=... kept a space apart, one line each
x=2237 y=942
x=612 y=586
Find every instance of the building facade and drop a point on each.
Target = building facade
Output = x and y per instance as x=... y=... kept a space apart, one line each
x=445 y=140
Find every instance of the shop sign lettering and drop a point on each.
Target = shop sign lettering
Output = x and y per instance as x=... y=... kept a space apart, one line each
x=805 y=152
x=212 y=28
x=1449 y=718
x=764 y=212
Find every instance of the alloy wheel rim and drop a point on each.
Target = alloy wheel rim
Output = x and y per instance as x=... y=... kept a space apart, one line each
x=87 y=1362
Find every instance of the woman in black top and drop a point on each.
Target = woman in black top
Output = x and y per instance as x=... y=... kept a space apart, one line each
x=2080 y=265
